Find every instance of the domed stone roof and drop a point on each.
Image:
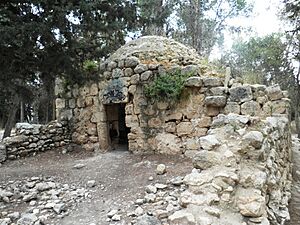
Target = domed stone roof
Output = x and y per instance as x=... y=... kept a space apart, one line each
x=157 y=48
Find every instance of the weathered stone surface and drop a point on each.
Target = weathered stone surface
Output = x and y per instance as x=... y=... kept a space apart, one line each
x=240 y=94
x=140 y=68
x=60 y=103
x=251 y=108
x=206 y=159
x=232 y=107
x=212 y=81
x=147 y=220
x=182 y=217
x=209 y=142
x=194 y=82
x=184 y=128
x=168 y=144
x=3 y=154
x=131 y=61
x=251 y=203
x=146 y=75
x=215 y=101
x=254 y=138
x=274 y=92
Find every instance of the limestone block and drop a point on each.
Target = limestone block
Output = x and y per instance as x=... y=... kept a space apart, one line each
x=194 y=82
x=72 y=103
x=153 y=66
x=107 y=75
x=121 y=63
x=79 y=138
x=170 y=127
x=66 y=114
x=215 y=101
x=84 y=91
x=209 y=142
x=117 y=73
x=59 y=87
x=94 y=89
x=103 y=135
x=199 y=132
x=155 y=123
x=75 y=91
x=205 y=159
x=3 y=153
x=132 y=89
x=128 y=72
x=276 y=107
x=111 y=65
x=217 y=91
x=140 y=68
x=131 y=61
x=132 y=121
x=91 y=129
x=150 y=110
x=89 y=101
x=174 y=116
x=60 y=103
x=274 y=92
x=254 y=138
x=251 y=108
x=162 y=105
x=135 y=79
x=258 y=90
x=182 y=217
x=138 y=103
x=192 y=144
x=262 y=100
x=204 y=121
x=251 y=203
x=212 y=81
x=184 y=128
x=212 y=111
x=168 y=144
x=146 y=75
x=129 y=109
x=232 y=107
x=240 y=94
x=80 y=102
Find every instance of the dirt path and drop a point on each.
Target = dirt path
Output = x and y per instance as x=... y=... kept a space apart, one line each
x=295 y=200
x=120 y=179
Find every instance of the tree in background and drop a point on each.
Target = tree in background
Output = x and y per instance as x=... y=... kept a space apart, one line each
x=201 y=22
x=43 y=39
x=261 y=60
x=291 y=14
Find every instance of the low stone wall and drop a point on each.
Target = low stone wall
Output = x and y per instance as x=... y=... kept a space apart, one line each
x=242 y=175
x=33 y=138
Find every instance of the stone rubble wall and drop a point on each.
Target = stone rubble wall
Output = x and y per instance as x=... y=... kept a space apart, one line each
x=33 y=138
x=242 y=174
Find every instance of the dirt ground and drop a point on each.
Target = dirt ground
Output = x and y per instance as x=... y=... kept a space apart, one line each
x=120 y=178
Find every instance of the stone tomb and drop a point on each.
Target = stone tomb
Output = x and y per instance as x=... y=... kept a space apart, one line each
x=96 y=110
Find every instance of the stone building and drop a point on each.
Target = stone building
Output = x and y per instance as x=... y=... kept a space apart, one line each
x=115 y=109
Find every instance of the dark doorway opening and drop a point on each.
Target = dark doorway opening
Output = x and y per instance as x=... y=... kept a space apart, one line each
x=118 y=132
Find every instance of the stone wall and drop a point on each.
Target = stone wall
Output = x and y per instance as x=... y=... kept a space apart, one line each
x=242 y=175
x=33 y=138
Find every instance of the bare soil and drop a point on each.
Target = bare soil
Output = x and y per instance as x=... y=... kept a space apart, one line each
x=120 y=178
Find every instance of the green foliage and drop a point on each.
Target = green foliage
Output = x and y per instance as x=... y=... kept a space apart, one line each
x=167 y=88
x=90 y=66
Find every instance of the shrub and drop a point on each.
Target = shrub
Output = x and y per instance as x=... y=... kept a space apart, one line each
x=167 y=87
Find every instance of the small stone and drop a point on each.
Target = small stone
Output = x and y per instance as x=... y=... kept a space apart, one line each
x=91 y=183
x=150 y=178
x=161 y=169
x=147 y=220
x=27 y=219
x=58 y=208
x=79 y=166
x=139 y=211
x=116 y=217
x=161 y=186
x=150 y=198
x=151 y=189
x=112 y=213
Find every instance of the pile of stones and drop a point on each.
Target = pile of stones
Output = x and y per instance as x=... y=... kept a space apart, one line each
x=37 y=200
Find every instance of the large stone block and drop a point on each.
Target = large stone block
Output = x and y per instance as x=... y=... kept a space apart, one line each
x=140 y=68
x=215 y=101
x=168 y=144
x=131 y=61
x=251 y=108
x=194 y=82
x=251 y=203
x=2 y=153
x=184 y=128
x=206 y=159
x=60 y=103
x=274 y=92
x=232 y=107
x=209 y=142
x=212 y=81
x=240 y=94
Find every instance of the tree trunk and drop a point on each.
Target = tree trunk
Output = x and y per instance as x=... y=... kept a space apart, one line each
x=12 y=116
